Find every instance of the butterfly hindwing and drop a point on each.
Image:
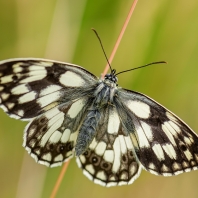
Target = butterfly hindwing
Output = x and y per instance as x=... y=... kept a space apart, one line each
x=29 y=87
x=51 y=137
x=109 y=160
x=163 y=143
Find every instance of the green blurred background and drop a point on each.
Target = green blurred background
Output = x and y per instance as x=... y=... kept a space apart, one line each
x=61 y=30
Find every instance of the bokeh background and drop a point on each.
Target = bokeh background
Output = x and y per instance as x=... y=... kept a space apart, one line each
x=61 y=30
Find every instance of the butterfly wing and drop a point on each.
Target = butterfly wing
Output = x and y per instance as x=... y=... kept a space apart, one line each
x=109 y=160
x=54 y=96
x=30 y=87
x=51 y=137
x=163 y=143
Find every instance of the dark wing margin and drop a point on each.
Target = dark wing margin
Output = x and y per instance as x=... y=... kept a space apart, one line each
x=109 y=160
x=163 y=143
x=29 y=86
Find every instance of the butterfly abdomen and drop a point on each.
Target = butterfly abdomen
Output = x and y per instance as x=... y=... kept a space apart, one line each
x=87 y=131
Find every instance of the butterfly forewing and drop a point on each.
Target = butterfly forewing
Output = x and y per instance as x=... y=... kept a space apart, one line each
x=29 y=87
x=163 y=143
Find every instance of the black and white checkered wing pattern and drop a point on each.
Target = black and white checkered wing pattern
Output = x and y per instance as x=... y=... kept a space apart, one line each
x=163 y=143
x=50 y=94
x=30 y=87
x=109 y=159
x=51 y=137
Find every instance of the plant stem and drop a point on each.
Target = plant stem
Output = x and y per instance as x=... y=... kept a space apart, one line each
x=120 y=37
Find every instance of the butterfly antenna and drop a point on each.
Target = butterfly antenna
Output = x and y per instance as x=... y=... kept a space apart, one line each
x=153 y=63
x=102 y=48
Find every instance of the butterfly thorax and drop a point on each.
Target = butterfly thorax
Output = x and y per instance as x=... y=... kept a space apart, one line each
x=104 y=93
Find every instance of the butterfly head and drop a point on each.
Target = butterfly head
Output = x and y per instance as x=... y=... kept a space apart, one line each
x=112 y=76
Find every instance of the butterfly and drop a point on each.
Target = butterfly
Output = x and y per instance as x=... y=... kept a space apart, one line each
x=113 y=132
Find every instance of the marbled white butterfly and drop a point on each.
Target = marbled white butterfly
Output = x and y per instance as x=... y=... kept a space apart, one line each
x=113 y=132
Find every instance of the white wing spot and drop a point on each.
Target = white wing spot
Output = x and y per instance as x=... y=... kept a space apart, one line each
x=47 y=99
x=133 y=169
x=17 y=65
x=1 y=88
x=10 y=105
x=65 y=136
x=152 y=166
x=158 y=151
x=20 y=89
x=51 y=113
x=39 y=75
x=93 y=144
x=113 y=122
x=79 y=162
x=187 y=141
x=124 y=176
x=76 y=107
x=55 y=137
x=101 y=175
x=100 y=148
x=176 y=166
x=170 y=116
x=20 y=113
x=109 y=156
x=175 y=127
x=165 y=168
x=90 y=168
x=128 y=142
x=122 y=144
x=188 y=155
x=170 y=151
x=50 y=89
x=82 y=159
x=117 y=155
x=71 y=79
x=185 y=164
x=140 y=109
x=35 y=68
x=47 y=157
x=142 y=140
x=73 y=136
x=147 y=130
x=17 y=69
x=110 y=184
x=7 y=79
x=97 y=181
x=54 y=124
x=58 y=158
x=27 y=97
x=5 y=96
x=166 y=128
